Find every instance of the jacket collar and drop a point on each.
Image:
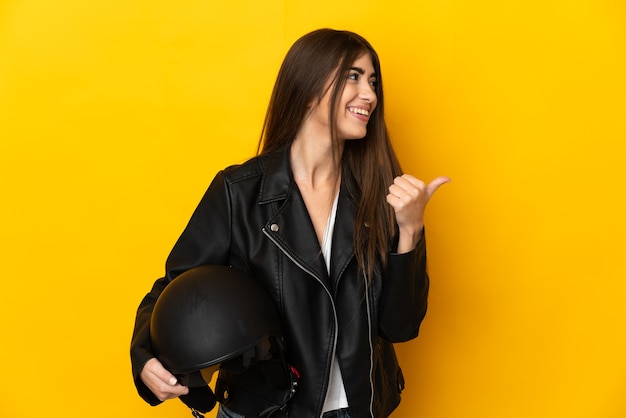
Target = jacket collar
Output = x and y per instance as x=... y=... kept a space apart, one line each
x=277 y=177
x=292 y=215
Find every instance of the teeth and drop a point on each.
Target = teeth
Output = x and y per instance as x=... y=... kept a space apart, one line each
x=359 y=111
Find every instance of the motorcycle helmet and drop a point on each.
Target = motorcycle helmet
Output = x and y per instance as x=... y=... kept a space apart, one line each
x=216 y=317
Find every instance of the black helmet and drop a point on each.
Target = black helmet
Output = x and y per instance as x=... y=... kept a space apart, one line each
x=213 y=317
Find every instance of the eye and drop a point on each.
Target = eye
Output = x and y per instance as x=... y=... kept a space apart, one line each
x=373 y=83
x=353 y=76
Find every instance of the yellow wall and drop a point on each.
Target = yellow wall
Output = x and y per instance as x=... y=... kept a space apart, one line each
x=115 y=115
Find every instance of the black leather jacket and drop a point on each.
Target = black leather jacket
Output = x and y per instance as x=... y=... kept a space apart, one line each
x=253 y=218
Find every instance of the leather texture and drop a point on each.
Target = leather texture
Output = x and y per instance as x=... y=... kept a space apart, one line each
x=252 y=217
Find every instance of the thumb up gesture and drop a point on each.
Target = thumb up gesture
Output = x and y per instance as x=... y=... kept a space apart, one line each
x=409 y=196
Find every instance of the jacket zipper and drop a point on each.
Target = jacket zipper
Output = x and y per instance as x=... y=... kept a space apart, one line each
x=332 y=302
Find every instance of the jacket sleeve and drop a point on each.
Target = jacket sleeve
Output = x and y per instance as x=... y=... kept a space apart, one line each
x=205 y=240
x=404 y=296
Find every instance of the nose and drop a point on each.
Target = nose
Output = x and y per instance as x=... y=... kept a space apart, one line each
x=366 y=92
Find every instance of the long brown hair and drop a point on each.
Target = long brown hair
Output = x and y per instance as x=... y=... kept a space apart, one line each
x=369 y=165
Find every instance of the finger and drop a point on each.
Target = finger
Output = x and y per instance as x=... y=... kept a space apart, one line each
x=434 y=185
x=155 y=367
x=160 y=381
x=394 y=201
x=399 y=198
x=170 y=392
x=408 y=182
x=166 y=376
x=397 y=191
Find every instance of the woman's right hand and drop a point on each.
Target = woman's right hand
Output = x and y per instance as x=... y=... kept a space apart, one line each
x=160 y=381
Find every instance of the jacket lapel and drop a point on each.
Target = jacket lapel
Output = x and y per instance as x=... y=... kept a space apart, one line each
x=343 y=245
x=290 y=226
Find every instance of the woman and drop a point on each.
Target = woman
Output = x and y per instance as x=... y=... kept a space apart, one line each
x=324 y=219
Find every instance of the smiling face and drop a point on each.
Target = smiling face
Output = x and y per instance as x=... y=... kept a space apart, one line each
x=356 y=102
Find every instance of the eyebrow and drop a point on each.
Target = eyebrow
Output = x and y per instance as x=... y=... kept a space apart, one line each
x=361 y=71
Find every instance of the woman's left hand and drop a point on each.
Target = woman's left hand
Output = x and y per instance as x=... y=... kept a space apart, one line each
x=408 y=196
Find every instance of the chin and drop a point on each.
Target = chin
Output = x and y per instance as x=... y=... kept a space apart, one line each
x=359 y=136
x=354 y=136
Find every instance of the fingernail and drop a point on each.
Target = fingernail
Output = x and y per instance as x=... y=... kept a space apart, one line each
x=173 y=381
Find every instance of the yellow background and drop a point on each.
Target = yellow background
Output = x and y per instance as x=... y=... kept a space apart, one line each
x=116 y=114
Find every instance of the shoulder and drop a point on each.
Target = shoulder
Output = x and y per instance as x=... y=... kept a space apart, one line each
x=267 y=176
x=254 y=168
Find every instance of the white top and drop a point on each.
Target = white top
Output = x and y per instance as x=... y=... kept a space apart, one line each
x=336 y=396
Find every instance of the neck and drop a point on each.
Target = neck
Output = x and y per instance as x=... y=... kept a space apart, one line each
x=315 y=162
x=317 y=172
